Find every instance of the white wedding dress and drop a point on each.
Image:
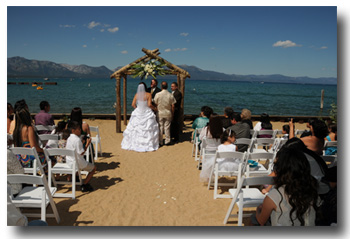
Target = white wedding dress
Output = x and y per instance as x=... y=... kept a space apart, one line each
x=142 y=131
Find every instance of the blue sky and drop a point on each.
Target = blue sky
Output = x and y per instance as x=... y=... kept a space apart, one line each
x=293 y=41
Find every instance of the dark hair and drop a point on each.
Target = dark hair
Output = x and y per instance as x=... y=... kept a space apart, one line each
x=236 y=116
x=164 y=85
x=286 y=128
x=228 y=111
x=73 y=125
x=175 y=83
x=215 y=126
x=77 y=115
x=9 y=106
x=333 y=128
x=20 y=105
x=44 y=104
x=293 y=171
x=61 y=125
x=23 y=118
x=227 y=133
x=65 y=134
x=144 y=84
x=265 y=121
x=208 y=111
x=320 y=128
x=155 y=81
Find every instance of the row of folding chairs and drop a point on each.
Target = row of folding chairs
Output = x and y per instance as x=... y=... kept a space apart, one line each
x=95 y=140
x=250 y=165
x=41 y=193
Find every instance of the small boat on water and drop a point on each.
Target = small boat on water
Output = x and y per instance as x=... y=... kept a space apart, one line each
x=34 y=84
x=39 y=88
x=46 y=78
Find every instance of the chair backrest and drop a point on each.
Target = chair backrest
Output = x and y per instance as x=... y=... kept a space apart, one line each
x=24 y=178
x=45 y=137
x=95 y=129
x=29 y=152
x=330 y=143
x=210 y=144
x=59 y=151
x=263 y=155
x=264 y=141
x=233 y=155
x=266 y=132
x=197 y=132
x=44 y=127
x=245 y=141
x=253 y=181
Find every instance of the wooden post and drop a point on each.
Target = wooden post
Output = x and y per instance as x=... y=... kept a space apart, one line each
x=124 y=99
x=118 y=106
x=322 y=98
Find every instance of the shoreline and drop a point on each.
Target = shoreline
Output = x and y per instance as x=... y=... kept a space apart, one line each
x=189 y=117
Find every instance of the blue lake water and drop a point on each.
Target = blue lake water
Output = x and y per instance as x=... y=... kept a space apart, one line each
x=99 y=95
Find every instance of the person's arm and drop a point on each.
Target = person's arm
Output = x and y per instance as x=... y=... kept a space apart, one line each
x=133 y=104
x=8 y=125
x=263 y=212
x=172 y=109
x=86 y=128
x=33 y=141
x=291 y=129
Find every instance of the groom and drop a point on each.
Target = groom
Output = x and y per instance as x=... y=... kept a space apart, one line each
x=165 y=102
x=153 y=89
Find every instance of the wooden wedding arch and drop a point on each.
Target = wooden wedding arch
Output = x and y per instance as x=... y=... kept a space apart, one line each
x=127 y=70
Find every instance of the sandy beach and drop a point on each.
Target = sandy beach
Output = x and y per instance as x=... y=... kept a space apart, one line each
x=160 y=188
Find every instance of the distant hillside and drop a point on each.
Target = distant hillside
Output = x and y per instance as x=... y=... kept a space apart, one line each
x=21 y=67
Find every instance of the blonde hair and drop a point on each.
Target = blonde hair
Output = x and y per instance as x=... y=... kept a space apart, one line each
x=246 y=114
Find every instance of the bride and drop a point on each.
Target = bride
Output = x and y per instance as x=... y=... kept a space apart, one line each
x=142 y=131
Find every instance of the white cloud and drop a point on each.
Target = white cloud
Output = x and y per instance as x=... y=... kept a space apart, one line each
x=102 y=30
x=184 y=34
x=180 y=49
x=84 y=46
x=67 y=26
x=124 y=52
x=93 y=24
x=112 y=30
x=323 y=47
x=285 y=44
x=167 y=50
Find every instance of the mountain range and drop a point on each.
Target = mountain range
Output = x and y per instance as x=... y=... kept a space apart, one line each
x=22 y=67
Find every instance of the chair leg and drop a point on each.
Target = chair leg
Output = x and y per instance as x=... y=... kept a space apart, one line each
x=230 y=208
x=99 y=143
x=43 y=205
x=216 y=181
x=240 y=210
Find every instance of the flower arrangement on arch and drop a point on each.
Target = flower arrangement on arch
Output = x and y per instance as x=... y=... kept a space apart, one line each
x=151 y=68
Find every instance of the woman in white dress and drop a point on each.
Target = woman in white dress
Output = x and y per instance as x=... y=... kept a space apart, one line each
x=142 y=131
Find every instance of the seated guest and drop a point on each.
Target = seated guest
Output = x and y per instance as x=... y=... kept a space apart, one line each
x=9 y=116
x=203 y=118
x=246 y=116
x=332 y=136
x=214 y=130
x=293 y=200
x=242 y=130
x=226 y=122
x=264 y=124
x=24 y=135
x=308 y=125
x=43 y=117
x=285 y=131
x=18 y=105
x=74 y=142
x=62 y=143
x=61 y=125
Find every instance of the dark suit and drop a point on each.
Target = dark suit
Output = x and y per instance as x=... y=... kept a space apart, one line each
x=156 y=90
x=175 y=124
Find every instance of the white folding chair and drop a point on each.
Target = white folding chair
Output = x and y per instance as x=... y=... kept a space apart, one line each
x=44 y=127
x=63 y=168
x=96 y=140
x=262 y=142
x=37 y=166
x=43 y=138
x=329 y=144
x=253 y=134
x=246 y=197
x=266 y=132
x=34 y=197
x=245 y=141
x=196 y=142
x=219 y=173
x=208 y=148
x=260 y=170
x=331 y=160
